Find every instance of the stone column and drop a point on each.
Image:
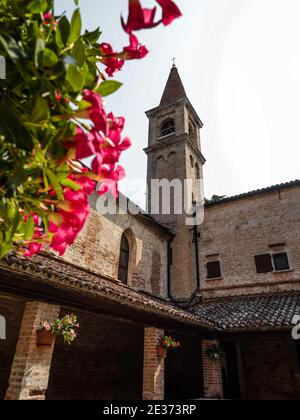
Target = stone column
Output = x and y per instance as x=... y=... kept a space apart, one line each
x=212 y=373
x=31 y=366
x=154 y=381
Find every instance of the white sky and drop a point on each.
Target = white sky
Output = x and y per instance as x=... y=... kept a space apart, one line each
x=240 y=63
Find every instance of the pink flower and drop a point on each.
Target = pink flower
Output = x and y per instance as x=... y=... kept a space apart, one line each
x=170 y=11
x=110 y=59
x=141 y=18
x=96 y=112
x=138 y=17
x=81 y=145
x=48 y=19
x=134 y=50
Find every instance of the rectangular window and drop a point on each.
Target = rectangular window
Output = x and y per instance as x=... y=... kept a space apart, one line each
x=263 y=263
x=281 y=262
x=214 y=270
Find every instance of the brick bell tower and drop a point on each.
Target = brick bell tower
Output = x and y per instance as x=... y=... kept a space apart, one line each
x=174 y=153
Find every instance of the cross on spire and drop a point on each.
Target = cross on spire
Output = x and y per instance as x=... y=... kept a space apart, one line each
x=174 y=61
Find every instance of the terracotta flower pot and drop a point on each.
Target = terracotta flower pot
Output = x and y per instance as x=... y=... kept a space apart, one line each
x=44 y=338
x=162 y=352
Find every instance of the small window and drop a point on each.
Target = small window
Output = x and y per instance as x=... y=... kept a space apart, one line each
x=263 y=263
x=192 y=161
x=213 y=270
x=124 y=260
x=167 y=128
x=281 y=262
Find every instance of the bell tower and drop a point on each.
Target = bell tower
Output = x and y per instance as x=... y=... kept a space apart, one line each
x=175 y=159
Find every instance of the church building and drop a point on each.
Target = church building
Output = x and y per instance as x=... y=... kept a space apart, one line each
x=228 y=289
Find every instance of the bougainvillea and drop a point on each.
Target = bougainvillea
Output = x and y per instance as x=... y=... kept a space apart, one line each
x=52 y=115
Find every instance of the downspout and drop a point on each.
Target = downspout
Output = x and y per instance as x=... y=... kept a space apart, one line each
x=196 y=241
x=169 y=268
x=197 y=263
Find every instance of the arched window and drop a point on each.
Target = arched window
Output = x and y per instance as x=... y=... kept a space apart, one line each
x=124 y=260
x=167 y=128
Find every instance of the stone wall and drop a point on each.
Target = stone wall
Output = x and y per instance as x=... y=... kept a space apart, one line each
x=238 y=231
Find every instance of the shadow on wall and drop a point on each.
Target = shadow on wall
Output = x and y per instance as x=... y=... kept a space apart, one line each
x=104 y=363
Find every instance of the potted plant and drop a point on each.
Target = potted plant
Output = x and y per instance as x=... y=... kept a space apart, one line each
x=215 y=353
x=166 y=343
x=64 y=327
x=44 y=334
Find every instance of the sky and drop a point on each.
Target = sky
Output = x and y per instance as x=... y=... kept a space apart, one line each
x=240 y=63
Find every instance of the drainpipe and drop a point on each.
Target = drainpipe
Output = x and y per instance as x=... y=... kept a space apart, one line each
x=196 y=237
x=169 y=268
x=196 y=241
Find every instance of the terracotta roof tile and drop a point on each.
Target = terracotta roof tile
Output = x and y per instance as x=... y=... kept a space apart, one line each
x=271 y=189
x=258 y=312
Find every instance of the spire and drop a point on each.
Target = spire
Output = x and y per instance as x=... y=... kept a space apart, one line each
x=174 y=89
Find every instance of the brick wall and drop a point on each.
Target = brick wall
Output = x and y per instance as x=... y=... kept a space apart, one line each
x=212 y=374
x=105 y=361
x=30 y=369
x=240 y=230
x=154 y=368
x=271 y=371
x=12 y=309
x=98 y=247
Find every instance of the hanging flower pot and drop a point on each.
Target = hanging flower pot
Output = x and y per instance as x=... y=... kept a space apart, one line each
x=162 y=352
x=215 y=353
x=165 y=344
x=44 y=338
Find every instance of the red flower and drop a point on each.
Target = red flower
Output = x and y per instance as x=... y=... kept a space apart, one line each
x=73 y=211
x=170 y=11
x=95 y=112
x=138 y=17
x=110 y=59
x=134 y=50
x=48 y=19
x=81 y=145
x=141 y=18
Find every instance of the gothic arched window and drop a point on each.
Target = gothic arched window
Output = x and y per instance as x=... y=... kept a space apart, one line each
x=124 y=260
x=167 y=127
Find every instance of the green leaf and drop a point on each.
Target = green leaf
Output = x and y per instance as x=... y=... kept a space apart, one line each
x=40 y=110
x=75 y=29
x=27 y=229
x=12 y=128
x=39 y=47
x=78 y=52
x=13 y=50
x=92 y=37
x=75 y=78
x=108 y=87
x=62 y=32
x=37 y=6
x=54 y=182
x=49 y=58
x=70 y=184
